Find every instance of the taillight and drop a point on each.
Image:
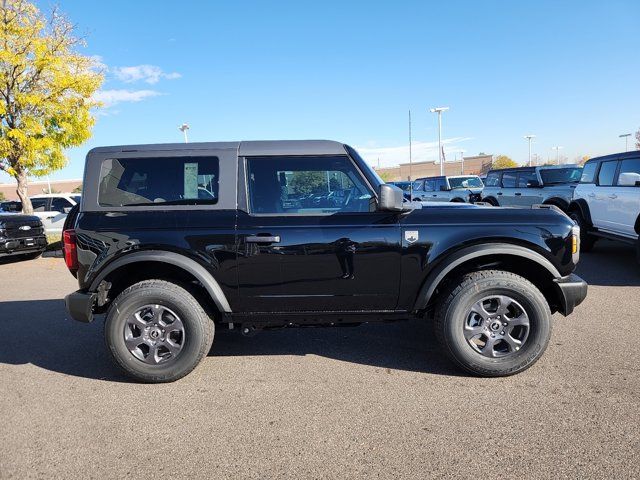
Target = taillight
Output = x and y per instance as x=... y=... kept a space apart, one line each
x=70 y=249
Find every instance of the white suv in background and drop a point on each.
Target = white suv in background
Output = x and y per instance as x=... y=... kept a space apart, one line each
x=606 y=203
x=52 y=208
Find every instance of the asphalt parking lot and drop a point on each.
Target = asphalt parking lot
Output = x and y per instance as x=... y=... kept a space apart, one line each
x=372 y=401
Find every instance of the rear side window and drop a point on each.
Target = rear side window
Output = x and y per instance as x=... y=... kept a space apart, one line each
x=509 y=179
x=39 y=204
x=58 y=204
x=440 y=184
x=127 y=182
x=607 y=173
x=429 y=185
x=492 y=180
x=589 y=172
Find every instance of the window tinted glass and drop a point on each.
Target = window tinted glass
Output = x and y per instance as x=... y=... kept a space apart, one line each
x=440 y=184
x=39 y=204
x=465 y=182
x=430 y=185
x=509 y=179
x=524 y=177
x=76 y=198
x=631 y=168
x=306 y=186
x=492 y=180
x=159 y=181
x=59 y=204
x=418 y=185
x=589 y=172
x=560 y=175
x=607 y=172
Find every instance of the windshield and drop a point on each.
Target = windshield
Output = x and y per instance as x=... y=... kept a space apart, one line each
x=552 y=176
x=465 y=182
x=403 y=185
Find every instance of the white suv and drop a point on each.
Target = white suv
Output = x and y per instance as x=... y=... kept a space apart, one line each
x=606 y=203
x=52 y=208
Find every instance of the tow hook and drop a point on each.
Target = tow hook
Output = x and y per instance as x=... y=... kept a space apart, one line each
x=249 y=330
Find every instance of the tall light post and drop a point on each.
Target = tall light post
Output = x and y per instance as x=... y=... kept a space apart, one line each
x=461 y=162
x=439 y=111
x=529 y=137
x=626 y=140
x=557 y=149
x=183 y=128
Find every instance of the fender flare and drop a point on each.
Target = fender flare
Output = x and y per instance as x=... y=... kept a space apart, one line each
x=559 y=202
x=181 y=261
x=450 y=261
x=637 y=227
x=582 y=206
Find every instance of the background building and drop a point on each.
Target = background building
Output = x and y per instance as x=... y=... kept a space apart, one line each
x=38 y=187
x=475 y=165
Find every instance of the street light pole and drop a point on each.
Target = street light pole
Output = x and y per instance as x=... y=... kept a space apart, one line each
x=557 y=149
x=439 y=111
x=183 y=128
x=626 y=140
x=529 y=137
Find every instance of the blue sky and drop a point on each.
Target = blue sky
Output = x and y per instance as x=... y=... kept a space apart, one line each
x=566 y=71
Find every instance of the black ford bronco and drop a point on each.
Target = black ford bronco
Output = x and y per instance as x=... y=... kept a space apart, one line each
x=172 y=241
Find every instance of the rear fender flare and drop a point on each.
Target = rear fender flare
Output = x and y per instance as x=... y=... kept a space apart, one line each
x=582 y=206
x=181 y=261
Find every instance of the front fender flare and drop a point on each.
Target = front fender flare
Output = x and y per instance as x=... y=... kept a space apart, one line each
x=450 y=261
x=186 y=263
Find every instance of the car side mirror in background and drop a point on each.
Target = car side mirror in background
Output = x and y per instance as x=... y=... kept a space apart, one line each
x=391 y=198
x=629 y=179
x=67 y=209
x=533 y=184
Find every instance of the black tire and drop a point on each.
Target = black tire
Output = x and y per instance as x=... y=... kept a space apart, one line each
x=454 y=308
x=492 y=202
x=587 y=241
x=198 y=330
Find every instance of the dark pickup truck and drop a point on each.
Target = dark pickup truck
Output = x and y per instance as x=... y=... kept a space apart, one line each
x=172 y=241
x=21 y=235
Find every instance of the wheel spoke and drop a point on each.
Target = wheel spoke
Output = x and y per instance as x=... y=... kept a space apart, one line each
x=133 y=342
x=488 y=350
x=503 y=305
x=472 y=332
x=522 y=320
x=514 y=344
x=480 y=310
x=138 y=321
x=152 y=357
x=173 y=348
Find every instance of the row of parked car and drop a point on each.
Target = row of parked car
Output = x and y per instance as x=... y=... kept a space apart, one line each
x=603 y=197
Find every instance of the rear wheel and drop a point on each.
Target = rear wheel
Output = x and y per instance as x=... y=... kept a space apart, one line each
x=157 y=332
x=493 y=323
x=491 y=201
x=587 y=241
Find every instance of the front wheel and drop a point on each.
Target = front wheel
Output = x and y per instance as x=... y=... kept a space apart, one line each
x=493 y=323
x=157 y=331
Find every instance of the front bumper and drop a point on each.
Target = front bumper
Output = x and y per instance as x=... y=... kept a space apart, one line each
x=18 y=246
x=80 y=305
x=573 y=290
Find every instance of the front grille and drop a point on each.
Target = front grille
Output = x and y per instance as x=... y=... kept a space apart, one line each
x=13 y=231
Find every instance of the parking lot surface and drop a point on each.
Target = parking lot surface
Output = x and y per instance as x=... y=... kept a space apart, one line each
x=378 y=400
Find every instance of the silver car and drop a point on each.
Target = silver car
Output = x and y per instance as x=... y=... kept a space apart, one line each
x=455 y=188
x=526 y=186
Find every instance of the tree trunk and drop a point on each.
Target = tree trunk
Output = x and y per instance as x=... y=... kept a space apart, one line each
x=23 y=192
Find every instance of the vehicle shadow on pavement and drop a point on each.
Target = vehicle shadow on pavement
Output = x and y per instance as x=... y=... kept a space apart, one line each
x=404 y=345
x=610 y=264
x=39 y=332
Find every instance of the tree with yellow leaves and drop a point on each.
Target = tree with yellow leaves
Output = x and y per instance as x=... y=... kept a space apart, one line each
x=46 y=92
x=503 y=161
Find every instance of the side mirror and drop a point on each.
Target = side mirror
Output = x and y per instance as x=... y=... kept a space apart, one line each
x=629 y=179
x=533 y=184
x=391 y=198
x=66 y=209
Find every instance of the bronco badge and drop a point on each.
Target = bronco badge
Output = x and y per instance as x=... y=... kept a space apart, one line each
x=411 y=236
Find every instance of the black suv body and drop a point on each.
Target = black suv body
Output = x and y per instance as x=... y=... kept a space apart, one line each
x=171 y=240
x=21 y=235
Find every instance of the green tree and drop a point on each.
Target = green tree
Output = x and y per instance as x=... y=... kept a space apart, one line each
x=2 y=197
x=503 y=161
x=386 y=176
x=78 y=189
x=46 y=91
x=305 y=183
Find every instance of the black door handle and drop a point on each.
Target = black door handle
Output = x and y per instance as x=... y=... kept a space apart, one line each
x=499 y=193
x=263 y=239
x=518 y=194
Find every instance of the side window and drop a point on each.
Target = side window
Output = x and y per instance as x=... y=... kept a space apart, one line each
x=306 y=186
x=58 y=204
x=524 y=177
x=629 y=175
x=430 y=185
x=509 y=180
x=492 y=180
x=159 y=181
x=589 y=172
x=39 y=204
x=440 y=183
x=607 y=173
x=418 y=185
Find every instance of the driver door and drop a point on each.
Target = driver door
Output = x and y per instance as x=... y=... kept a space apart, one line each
x=312 y=239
